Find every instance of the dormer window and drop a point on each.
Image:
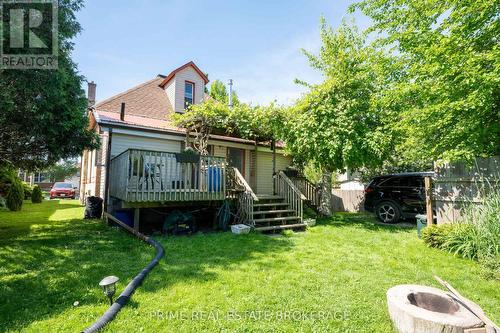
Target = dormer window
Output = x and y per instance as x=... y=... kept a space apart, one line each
x=188 y=94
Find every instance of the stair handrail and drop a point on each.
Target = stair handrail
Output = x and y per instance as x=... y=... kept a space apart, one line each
x=291 y=194
x=242 y=181
x=246 y=199
x=292 y=185
x=307 y=188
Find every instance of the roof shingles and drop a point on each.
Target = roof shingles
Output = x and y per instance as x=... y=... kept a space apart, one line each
x=145 y=100
x=146 y=105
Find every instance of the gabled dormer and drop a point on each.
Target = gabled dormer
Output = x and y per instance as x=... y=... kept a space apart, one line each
x=185 y=85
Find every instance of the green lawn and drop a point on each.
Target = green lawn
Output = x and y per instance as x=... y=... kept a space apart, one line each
x=332 y=278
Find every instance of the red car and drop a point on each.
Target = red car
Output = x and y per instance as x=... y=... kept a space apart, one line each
x=62 y=190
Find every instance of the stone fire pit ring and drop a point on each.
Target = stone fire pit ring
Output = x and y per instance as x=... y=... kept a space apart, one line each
x=422 y=309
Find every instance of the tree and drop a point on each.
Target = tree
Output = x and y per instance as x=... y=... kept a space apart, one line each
x=450 y=64
x=338 y=123
x=260 y=123
x=62 y=170
x=43 y=112
x=218 y=91
x=201 y=120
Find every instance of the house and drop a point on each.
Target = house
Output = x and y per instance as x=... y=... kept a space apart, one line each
x=350 y=180
x=42 y=179
x=140 y=165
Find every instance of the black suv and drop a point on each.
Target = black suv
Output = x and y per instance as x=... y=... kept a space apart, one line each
x=392 y=197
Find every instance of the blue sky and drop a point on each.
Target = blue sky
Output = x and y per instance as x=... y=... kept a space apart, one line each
x=256 y=43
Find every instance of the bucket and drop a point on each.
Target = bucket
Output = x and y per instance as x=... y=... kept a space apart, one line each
x=126 y=216
x=421 y=223
x=214 y=179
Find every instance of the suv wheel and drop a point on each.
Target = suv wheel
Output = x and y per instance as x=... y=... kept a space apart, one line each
x=388 y=212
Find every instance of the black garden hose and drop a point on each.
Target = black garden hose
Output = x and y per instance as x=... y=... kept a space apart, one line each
x=124 y=297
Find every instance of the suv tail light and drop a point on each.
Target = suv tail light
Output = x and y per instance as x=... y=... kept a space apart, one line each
x=369 y=189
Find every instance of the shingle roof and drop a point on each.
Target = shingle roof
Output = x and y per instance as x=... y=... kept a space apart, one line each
x=175 y=71
x=146 y=106
x=145 y=100
x=155 y=124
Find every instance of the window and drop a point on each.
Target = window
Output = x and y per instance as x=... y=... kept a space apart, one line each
x=236 y=158
x=415 y=182
x=63 y=185
x=394 y=181
x=188 y=93
x=39 y=177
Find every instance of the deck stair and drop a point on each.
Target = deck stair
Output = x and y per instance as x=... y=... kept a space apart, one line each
x=281 y=211
x=271 y=213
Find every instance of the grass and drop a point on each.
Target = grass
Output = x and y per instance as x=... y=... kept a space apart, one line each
x=331 y=278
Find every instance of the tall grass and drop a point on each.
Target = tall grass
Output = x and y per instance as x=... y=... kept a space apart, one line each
x=486 y=221
x=476 y=237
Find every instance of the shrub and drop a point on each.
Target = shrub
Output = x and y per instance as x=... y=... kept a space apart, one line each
x=28 y=190
x=485 y=219
x=3 y=204
x=7 y=176
x=436 y=235
x=36 y=196
x=462 y=240
x=15 y=196
x=476 y=237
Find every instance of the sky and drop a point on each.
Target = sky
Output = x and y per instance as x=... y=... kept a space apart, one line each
x=256 y=43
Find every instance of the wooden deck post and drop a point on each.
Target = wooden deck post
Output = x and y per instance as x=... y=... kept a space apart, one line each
x=273 y=147
x=137 y=212
x=428 y=200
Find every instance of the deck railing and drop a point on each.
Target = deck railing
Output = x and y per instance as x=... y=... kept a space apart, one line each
x=286 y=189
x=246 y=198
x=156 y=176
x=308 y=189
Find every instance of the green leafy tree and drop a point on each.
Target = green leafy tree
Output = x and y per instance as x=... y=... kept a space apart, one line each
x=43 y=112
x=449 y=66
x=261 y=123
x=338 y=124
x=218 y=91
x=202 y=120
x=62 y=170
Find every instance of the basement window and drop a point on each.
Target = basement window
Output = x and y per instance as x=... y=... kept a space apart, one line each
x=188 y=94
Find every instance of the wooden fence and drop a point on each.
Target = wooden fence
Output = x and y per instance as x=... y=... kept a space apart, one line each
x=457 y=185
x=348 y=200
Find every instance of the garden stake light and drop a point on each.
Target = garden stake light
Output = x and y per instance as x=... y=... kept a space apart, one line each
x=108 y=285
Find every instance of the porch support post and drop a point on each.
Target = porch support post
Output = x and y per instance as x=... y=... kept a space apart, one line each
x=137 y=212
x=428 y=200
x=273 y=147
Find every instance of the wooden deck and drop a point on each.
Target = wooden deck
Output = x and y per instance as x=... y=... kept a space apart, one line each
x=156 y=176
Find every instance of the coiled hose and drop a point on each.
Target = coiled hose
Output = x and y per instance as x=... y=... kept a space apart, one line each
x=124 y=297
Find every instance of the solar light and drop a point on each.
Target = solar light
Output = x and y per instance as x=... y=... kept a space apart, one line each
x=108 y=285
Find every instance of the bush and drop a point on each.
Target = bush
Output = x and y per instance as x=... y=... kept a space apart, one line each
x=36 y=196
x=462 y=241
x=15 y=196
x=436 y=235
x=28 y=190
x=7 y=176
x=476 y=237
x=485 y=219
x=3 y=204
